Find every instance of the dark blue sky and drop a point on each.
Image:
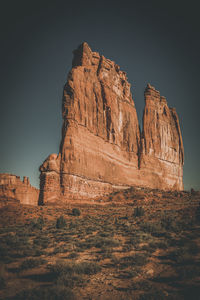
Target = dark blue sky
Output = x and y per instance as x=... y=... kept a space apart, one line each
x=153 y=41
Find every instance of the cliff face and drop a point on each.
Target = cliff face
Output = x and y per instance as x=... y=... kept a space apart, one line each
x=13 y=189
x=161 y=142
x=101 y=147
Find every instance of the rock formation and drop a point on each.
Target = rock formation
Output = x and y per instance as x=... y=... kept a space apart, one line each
x=161 y=153
x=14 y=190
x=102 y=148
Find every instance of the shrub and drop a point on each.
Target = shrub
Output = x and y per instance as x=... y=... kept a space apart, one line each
x=75 y=268
x=37 y=224
x=59 y=249
x=143 y=285
x=153 y=295
x=180 y=255
x=42 y=241
x=60 y=222
x=51 y=293
x=154 y=229
x=73 y=255
x=2 y=277
x=76 y=212
x=197 y=214
x=138 y=211
x=135 y=260
x=102 y=242
x=188 y=271
x=70 y=280
x=31 y=263
x=129 y=273
x=106 y=252
x=87 y=268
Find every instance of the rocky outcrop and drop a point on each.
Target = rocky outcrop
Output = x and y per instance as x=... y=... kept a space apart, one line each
x=162 y=154
x=12 y=189
x=101 y=147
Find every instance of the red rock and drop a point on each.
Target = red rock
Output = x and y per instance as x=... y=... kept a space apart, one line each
x=162 y=152
x=101 y=148
x=12 y=188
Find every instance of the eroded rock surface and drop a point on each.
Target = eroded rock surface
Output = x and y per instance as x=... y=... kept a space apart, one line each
x=162 y=147
x=12 y=189
x=101 y=147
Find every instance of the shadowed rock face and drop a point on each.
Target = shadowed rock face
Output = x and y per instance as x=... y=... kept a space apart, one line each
x=101 y=147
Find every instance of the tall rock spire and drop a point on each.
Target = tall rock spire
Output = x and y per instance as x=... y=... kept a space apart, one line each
x=101 y=148
x=162 y=145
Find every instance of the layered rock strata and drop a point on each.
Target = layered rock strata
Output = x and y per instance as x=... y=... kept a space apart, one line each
x=102 y=147
x=13 y=189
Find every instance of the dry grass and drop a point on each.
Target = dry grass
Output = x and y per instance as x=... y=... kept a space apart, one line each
x=135 y=244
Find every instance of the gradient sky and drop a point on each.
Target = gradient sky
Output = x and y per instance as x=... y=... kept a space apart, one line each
x=153 y=41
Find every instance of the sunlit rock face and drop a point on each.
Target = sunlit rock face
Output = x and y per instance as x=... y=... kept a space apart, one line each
x=161 y=142
x=12 y=188
x=101 y=147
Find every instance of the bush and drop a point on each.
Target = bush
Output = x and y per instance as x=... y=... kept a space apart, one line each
x=180 y=255
x=2 y=277
x=70 y=280
x=197 y=214
x=103 y=242
x=59 y=249
x=138 y=211
x=76 y=212
x=61 y=268
x=73 y=255
x=188 y=271
x=135 y=260
x=154 y=295
x=87 y=268
x=41 y=241
x=154 y=229
x=31 y=263
x=57 y=292
x=60 y=222
x=37 y=224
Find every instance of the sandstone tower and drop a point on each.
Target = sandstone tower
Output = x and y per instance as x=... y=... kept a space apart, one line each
x=102 y=148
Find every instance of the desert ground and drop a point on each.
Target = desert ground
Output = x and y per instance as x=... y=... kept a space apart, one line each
x=134 y=244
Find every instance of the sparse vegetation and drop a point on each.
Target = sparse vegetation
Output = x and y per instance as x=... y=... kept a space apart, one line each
x=76 y=212
x=60 y=222
x=135 y=260
x=46 y=293
x=71 y=274
x=138 y=211
x=31 y=263
x=131 y=248
x=37 y=223
x=2 y=277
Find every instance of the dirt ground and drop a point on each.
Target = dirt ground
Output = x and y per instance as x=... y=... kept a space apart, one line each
x=134 y=244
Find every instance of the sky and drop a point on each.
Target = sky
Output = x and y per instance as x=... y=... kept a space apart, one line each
x=153 y=41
